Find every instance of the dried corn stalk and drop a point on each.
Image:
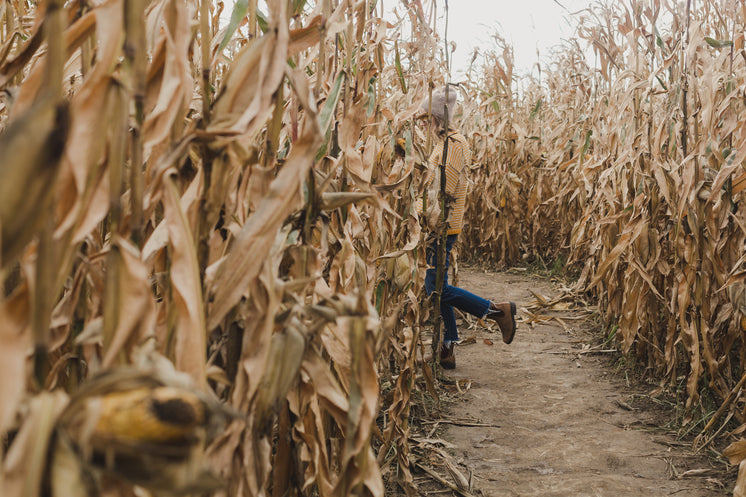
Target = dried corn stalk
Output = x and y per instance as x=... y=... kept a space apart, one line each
x=632 y=164
x=226 y=203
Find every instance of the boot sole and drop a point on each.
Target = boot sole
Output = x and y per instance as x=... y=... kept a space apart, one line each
x=512 y=317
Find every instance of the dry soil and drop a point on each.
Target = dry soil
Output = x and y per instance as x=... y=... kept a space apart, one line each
x=565 y=423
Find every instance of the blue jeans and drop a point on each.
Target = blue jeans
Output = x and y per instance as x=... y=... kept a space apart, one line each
x=452 y=296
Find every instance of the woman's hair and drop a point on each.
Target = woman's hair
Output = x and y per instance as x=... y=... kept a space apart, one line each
x=438 y=106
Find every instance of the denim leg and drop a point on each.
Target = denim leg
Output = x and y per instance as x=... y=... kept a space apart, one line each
x=452 y=296
x=465 y=301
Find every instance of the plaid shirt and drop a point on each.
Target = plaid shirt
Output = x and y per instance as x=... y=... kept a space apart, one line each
x=459 y=156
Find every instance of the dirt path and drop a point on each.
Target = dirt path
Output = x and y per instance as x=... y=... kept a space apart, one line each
x=564 y=424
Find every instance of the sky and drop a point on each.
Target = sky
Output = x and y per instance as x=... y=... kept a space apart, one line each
x=525 y=24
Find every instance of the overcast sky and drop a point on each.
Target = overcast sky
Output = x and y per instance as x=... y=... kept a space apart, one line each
x=526 y=24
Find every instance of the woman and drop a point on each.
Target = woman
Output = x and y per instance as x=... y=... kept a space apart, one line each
x=457 y=159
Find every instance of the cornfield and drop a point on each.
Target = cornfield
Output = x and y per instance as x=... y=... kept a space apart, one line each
x=217 y=220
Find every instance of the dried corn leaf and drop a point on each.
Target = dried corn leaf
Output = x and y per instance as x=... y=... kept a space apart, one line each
x=257 y=236
x=32 y=146
x=15 y=336
x=191 y=333
x=135 y=304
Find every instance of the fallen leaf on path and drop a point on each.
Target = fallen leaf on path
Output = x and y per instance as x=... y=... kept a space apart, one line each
x=461 y=482
x=740 y=489
x=463 y=386
x=561 y=306
x=736 y=452
x=441 y=480
x=739 y=430
x=433 y=441
x=695 y=473
x=487 y=341
x=555 y=397
x=543 y=300
x=625 y=406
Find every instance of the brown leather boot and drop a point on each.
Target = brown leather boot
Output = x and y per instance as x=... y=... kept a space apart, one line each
x=504 y=315
x=447 y=356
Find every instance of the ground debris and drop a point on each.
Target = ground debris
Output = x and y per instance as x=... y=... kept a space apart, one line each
x=462 y=485
x=532 y=420
x=699 y=473
x=461 y=422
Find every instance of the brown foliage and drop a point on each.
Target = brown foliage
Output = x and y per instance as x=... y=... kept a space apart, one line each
x=240 y=210
x=242 y=220
x=631 y=170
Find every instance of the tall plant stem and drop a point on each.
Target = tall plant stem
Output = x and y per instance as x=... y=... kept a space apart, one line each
x=321 y=68
x=135 y=51
x=204 y=223
x=443 y=225
x=45 y=267
x=252 y=18
x=112 y=311
x=685 y=85
x=652 y=69
x=206 y=37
